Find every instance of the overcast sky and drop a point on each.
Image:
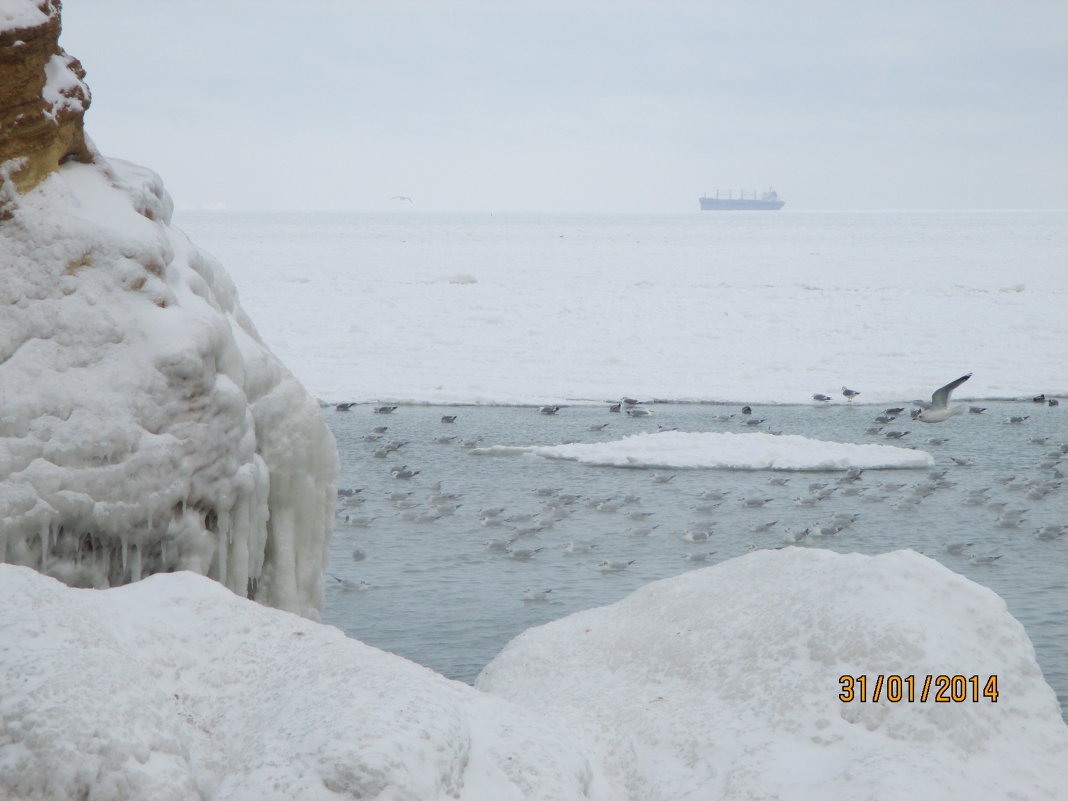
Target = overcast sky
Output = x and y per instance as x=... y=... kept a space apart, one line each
x=524 y=105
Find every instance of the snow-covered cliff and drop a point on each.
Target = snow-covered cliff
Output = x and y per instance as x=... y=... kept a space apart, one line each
x=144 y=426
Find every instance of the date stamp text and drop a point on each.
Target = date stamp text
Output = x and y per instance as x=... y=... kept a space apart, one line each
x=911 y=689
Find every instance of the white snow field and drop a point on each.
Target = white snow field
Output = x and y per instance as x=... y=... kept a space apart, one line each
x=733 y=308
x=144 y=426
x=755 y=451
x=723 y=683
x=174 y=689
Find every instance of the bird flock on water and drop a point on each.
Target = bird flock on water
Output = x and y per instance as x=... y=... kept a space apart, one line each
x=777 y=510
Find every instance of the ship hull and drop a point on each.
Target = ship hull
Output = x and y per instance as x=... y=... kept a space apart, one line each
x=738 y=204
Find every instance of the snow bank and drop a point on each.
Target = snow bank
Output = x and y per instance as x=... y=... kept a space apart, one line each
x=756 y=451
x=173 y=688
x=723 y=683
x=144 y=426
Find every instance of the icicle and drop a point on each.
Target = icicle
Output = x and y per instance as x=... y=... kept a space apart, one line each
x=221 y=554
x=43 y=536
x=135 y=564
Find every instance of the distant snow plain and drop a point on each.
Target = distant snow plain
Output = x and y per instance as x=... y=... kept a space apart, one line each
x=738 y=307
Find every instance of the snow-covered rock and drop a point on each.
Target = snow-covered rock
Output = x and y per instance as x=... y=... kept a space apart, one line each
x=42 y=96
x=756 y=451
x=144 y=426
x=724 y=683
x=173 y=689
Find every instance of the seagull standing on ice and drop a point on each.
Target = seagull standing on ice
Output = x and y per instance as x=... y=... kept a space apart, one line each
x=940 y=409
x=849 y=393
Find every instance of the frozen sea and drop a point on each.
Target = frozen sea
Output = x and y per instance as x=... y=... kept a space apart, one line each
x=487 y=316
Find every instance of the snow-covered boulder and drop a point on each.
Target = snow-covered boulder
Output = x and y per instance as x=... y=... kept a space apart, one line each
x=173 y=689
x=144 y=426
x=724 y=683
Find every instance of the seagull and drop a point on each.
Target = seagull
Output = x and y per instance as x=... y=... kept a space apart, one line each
x=549 y=409
x=403 y=472
x=597 y=427
x=641 y=531
x=522 y=553
x=699 y=557
x=401 y=197
x=352 y=586
x=385 y=409
x=849 y=393
x=940 y=409
x=820 y=397
x=639 y=412
x=344 y=407
x=579 y=547
x=536 y=595
x=614 y=566
x=448 y=418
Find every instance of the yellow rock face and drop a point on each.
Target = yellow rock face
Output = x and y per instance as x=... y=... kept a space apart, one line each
x=42 y=100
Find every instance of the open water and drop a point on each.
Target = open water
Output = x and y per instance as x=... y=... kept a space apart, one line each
x=437 y=592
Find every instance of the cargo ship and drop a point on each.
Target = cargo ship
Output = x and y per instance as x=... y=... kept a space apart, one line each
x=746 y=201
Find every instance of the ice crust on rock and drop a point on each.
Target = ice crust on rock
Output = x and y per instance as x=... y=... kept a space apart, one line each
x=751 y=451
x=723 y=683
x=173 y=689
x=144 y=426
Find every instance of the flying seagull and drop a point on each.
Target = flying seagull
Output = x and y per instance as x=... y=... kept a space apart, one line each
x=940 y=409
x=401 y=197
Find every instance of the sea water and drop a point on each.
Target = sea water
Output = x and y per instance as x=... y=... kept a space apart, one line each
x=436 y=591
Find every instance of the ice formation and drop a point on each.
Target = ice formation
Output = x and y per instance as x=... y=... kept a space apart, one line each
x=723 y=683
x=173 y=688
x=144 y=426
x=755 y=451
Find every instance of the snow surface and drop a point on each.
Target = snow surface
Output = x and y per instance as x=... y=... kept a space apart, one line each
x=755 y=451
x=144 y=426
x=719 y=683
x=174 y=689
x=723 y=683
x=742 y=307
x=18 y=14
x=61 y=86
